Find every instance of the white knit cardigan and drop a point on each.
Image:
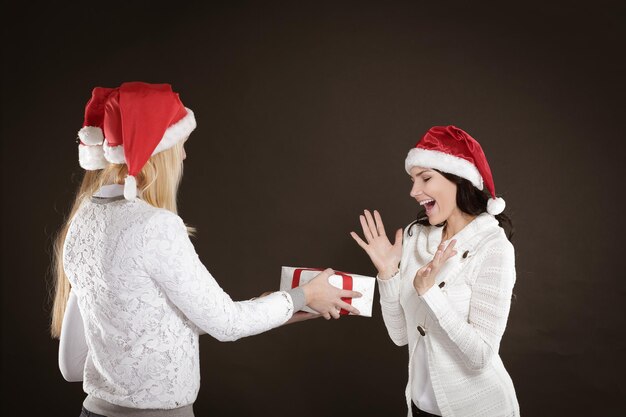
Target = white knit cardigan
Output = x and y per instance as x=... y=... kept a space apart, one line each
x=463 y=318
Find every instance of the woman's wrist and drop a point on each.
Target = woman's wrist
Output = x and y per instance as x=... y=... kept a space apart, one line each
x=422 y=289
x=308 y=293
x=298 y=298
x=388 y=272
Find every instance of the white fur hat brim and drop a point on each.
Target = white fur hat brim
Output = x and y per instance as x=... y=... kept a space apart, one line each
x=100 y=154
x=444 y=162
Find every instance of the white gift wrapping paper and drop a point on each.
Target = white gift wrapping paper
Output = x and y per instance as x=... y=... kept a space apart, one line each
x=363 y=284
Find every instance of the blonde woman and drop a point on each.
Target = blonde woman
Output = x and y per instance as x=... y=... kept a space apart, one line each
x=446 y=283
x=131 y=294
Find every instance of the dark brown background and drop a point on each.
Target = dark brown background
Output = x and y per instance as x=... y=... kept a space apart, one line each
x=305 y=114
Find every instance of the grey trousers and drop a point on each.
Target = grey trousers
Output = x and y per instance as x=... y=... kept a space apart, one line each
x=86 y=413
x=95 y=407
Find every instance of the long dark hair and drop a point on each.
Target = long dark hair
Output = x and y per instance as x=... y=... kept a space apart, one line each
x=470 y=200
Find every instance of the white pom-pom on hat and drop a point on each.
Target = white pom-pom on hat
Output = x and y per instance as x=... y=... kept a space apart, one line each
x=495 y=206
x=130 y=188
x=91 y=158
x=91 y=135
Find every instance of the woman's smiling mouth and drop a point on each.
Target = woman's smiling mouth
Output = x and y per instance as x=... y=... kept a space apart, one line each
x=428 y=205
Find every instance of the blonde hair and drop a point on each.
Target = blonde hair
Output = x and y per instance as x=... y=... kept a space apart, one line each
x=157 y=185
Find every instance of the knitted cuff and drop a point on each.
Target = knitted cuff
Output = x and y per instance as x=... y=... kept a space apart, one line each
x=389 y=288
x=297 y=297
x=436 y=301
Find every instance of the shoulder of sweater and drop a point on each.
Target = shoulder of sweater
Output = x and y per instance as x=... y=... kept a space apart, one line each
x=496 y=241
x=160 y=218
x=161 y=215
x=143 y=214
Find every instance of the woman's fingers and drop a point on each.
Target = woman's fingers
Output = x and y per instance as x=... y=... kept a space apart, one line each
x=451 y=244
x=429 y=271
x=437 y=257
x=441 y=256
x=358 y=240
x=447 y=255
x=325 y=298
x=349 y=294
x=305 y=315
x=348 y=307
x=380 y=227
x=398 y=240
x=302 y=316
x=366 y=229
x=371 y=223
x=422 y=271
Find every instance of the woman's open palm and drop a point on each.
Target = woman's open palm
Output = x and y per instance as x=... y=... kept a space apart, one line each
x=383 y=254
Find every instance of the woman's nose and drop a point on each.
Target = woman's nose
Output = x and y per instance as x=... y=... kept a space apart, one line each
x=415 y=190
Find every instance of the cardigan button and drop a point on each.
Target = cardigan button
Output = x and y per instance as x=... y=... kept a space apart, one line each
x=465 y=254
x=421 y=330
x=442 y=284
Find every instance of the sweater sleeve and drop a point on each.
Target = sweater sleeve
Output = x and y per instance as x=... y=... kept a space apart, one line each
x=73 y=347
x=171 y=260
x=393 y=315
x=478 y=338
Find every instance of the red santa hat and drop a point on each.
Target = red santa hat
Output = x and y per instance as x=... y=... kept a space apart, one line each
x=129 y=124
x=452 y=150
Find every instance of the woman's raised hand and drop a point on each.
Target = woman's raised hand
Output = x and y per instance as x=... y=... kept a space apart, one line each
x=426 y=275
x=383 y=254
x=326 y=299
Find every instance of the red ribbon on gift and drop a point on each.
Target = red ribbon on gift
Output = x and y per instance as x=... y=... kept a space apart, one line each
x=347 y=283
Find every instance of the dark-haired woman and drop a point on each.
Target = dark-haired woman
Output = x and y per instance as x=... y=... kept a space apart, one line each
x=446 y=283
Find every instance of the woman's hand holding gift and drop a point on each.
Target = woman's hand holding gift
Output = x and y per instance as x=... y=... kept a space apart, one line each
x=325 y=298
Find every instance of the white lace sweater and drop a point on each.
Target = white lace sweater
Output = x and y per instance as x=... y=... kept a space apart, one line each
x=463 y=320
x=144 y=296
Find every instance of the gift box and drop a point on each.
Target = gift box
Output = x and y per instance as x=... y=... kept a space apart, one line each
x=294 y=277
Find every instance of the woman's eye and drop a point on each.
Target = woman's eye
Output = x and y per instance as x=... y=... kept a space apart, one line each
x=426 y=179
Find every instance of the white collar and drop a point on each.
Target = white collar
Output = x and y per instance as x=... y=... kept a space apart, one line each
x=110 y=190
x=467 y=237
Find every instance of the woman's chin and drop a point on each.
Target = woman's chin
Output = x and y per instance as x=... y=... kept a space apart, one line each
x=432 y=221
x=435 y=220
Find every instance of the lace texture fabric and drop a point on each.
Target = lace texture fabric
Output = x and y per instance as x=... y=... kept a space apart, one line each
x=144 y=296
